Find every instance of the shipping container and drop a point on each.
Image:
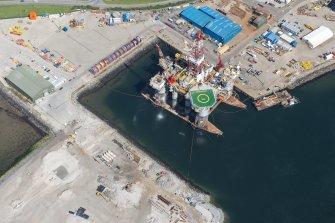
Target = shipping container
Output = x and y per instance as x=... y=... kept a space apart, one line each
x=126 y=17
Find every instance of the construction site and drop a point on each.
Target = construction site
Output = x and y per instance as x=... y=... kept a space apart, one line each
x=88 y=170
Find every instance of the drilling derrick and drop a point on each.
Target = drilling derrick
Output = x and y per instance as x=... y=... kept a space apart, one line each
x=197 y=57
x=162 y=61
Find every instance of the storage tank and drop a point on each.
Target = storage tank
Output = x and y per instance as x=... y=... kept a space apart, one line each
x=138 y=39
x=125 y=48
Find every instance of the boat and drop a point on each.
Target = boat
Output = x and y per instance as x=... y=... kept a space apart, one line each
x=290 y=102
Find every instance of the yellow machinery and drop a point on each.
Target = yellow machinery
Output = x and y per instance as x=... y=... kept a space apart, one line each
x=288 y=74
x=76 y=23
x=317 y=8
x=307 y=65
x=308 y=26
x=101 y=195
x=16 y=30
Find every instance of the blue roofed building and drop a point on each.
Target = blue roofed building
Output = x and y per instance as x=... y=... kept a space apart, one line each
x=273 y=38
x=212 y=23
x=196 y=17
x=212 y=13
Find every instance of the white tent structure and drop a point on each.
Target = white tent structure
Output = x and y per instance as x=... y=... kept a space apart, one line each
x=318 y=36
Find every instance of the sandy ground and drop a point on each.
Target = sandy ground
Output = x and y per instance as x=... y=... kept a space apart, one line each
x=64 y=175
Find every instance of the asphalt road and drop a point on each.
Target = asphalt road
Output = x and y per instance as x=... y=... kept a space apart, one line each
x=95 y=3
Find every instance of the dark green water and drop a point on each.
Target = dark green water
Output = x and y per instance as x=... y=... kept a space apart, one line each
x=16 y=135
x=275 y=166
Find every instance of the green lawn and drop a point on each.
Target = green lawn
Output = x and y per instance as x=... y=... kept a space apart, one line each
x=14 y=11
x=131 y=1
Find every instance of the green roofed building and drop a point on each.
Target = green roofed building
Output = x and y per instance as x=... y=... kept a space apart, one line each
x=203 y=98
x=29 y=83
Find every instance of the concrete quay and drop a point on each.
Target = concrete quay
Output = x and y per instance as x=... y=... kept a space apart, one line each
x=63 y=175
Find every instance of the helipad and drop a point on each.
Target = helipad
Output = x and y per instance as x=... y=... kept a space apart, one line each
x=203 y=98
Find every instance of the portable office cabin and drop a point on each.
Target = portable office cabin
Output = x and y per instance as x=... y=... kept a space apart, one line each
x=289 y=39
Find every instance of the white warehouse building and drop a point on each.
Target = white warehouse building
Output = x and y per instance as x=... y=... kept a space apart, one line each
x=318 y=36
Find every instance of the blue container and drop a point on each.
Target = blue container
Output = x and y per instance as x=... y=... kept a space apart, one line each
x=65 y=29
x=294 y=43
x=126 y=17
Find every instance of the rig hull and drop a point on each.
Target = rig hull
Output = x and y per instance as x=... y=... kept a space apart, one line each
x=206 y=126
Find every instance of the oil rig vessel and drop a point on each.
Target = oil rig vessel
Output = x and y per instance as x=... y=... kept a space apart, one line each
x=191 y=88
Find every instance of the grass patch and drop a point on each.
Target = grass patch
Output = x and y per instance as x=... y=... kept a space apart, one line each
x=125 y=2
x=17 y=11
x=150 y=7
x=31 y=149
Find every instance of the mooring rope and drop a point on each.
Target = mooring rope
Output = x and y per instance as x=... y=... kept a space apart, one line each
x=128 y=94
x=248 y=98
x=233 y=112
x=190 y=157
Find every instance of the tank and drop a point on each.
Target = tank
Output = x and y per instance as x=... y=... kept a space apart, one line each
x=94 y=70
x=125 y=48
x=120 y=51
x=129 y=46
x=102 y=64
x=116 y=54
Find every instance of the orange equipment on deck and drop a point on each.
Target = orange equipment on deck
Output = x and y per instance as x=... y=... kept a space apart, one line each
x=32 y=15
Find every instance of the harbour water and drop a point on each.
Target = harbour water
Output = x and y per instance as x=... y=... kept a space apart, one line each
x=274 y=166
x=16 y=135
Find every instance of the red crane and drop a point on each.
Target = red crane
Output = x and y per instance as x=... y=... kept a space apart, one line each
x=219 y=65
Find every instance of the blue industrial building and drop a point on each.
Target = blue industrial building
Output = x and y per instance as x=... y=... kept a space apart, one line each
x=212 y=23
x=195 y=17
x=273 y=38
